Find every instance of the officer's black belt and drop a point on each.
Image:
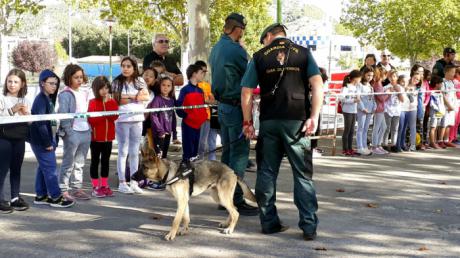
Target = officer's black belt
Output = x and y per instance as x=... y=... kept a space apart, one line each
x=232 y=102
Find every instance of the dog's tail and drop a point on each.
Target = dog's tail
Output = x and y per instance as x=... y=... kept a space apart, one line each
x=247 y=193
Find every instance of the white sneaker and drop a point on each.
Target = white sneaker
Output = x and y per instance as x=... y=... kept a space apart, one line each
x=135 y=187
x=124 y=188
x=366 y=151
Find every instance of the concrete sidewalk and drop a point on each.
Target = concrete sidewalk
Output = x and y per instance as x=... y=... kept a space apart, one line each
x=399 y=205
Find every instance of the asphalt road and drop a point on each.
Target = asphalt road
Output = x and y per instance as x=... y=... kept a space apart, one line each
x=389 y=206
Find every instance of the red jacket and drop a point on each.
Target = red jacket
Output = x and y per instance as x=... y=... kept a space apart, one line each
x=103 y=127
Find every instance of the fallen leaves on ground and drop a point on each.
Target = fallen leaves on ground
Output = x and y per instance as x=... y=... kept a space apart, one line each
x=157 y=216
x=321 y=248
x=372 y=205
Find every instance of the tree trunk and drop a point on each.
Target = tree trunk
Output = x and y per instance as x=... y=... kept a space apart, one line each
x=199 y=30
x=413 y=59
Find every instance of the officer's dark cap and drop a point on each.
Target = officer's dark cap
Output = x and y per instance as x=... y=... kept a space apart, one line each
x=271 y=28
x=449 y=50
x=238 y=18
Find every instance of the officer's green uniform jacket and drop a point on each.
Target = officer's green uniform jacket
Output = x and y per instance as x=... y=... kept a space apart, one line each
x=228 y=61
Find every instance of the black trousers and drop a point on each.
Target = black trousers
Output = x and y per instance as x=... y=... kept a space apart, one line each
x=11 y=158
x=162 y=145
x=100 y=151
x=349 y=121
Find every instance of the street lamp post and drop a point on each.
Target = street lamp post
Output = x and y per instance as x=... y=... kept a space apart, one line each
x=110 y=21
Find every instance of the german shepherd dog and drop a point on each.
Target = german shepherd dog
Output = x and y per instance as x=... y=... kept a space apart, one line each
x=213 y=175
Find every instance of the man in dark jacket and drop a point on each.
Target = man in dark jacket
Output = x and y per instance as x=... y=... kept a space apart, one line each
x=448 y=59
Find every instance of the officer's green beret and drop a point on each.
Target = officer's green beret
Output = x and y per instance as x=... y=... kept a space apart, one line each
x=237 y=17
x=269 y=29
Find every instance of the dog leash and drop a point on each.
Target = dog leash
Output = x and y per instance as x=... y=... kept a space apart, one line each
x=240 y=137
x=183 y=176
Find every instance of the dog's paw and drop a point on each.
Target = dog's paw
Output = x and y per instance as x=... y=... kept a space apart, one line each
x=183 y=232
x=227 y=231
x=170 y=236
x=223 y=225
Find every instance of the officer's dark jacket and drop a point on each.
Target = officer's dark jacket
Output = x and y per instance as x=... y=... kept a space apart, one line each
x=291 y=99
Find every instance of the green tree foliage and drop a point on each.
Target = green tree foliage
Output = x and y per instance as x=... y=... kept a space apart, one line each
x=11 y=12
x=256 y=13
x=60 y=51
x=90 y=40
x=34 y=56
x=412 y=29
x=340 y=29
x=170 y=17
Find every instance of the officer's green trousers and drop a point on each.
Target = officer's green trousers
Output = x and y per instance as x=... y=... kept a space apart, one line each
x=277 y=137
x=235 y=151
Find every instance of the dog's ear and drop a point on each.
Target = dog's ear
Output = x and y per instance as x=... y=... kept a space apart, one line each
x=152 y=154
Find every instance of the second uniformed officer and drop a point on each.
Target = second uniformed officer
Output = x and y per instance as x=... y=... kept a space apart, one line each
x=285 y=72
x=228 y=61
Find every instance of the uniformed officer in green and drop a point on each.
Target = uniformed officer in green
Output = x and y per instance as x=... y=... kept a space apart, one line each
x=285 y=73
x=228 y=62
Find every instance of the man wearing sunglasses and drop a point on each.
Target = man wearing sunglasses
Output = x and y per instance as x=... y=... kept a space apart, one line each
x=160 y=51
x=291 y=91
x=228 y=61
x=385 y=64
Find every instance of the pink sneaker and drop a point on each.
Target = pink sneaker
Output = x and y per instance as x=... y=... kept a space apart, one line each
x=382 y=150
x=107 y=191
x=98 y=192
x=377 y=151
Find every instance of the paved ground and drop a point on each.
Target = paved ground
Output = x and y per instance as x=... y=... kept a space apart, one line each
x=396 y=206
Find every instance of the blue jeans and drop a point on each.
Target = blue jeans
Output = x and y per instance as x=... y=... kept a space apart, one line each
x=235 y=152
x=190 y=141
x=46 y=181
x=207 y=141
x=408 y=119
x=363 y=127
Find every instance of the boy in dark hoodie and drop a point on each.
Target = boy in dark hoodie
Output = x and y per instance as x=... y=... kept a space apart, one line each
x=43 y=141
